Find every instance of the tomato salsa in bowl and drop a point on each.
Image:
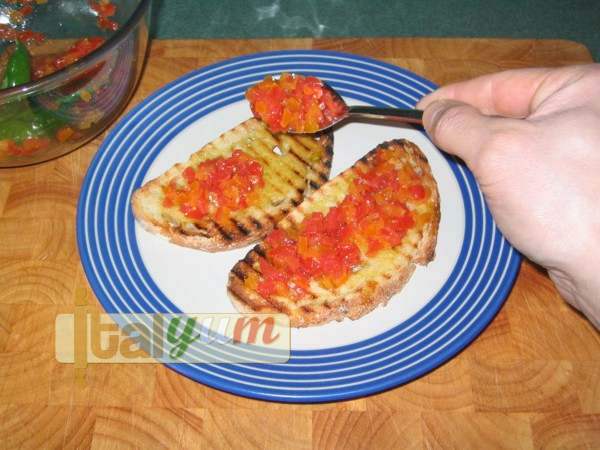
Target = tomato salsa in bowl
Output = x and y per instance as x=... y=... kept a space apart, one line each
x=67 y=68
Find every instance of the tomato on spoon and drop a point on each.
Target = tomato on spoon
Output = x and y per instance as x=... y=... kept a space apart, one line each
x=295 y=103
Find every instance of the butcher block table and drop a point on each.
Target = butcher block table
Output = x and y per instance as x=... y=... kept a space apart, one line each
x=530 y=380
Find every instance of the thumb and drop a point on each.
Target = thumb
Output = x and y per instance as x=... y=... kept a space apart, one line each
x=458 y=128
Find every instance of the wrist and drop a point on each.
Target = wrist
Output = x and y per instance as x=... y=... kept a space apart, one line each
x=579 y=285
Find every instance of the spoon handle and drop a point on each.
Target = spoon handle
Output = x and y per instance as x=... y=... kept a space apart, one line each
x=395 y=114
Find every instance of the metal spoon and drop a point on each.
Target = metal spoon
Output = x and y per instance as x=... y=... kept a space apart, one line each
x=401 y=115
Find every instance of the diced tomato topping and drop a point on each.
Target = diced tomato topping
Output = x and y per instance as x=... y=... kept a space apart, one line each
x=216 y=187
x=418 y=192
x=294 y=103
x=327 y=248
x=189 y=174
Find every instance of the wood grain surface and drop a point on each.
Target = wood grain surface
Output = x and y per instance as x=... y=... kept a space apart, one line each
x=530 y=380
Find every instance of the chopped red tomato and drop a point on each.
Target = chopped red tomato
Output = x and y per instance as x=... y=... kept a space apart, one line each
x=107 y=24
x=216 y=187
x=26 y=10
x=28 y=36
x=105 y=9
x=43 y=66
x=327 y=248
x=294 y=103
x=65 y=133
x=418 y=191
x=26 y=147
x=9 y=33
x=78 y=50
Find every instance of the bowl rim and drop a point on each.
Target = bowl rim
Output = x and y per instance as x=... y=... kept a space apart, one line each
x=88 y=60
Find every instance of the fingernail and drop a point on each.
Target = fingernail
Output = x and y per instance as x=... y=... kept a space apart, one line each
x=432 y=114
x=436 y=110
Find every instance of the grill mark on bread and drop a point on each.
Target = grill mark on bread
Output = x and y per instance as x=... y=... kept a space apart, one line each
x=314 y=185
x=241 y=227
x=284 y=180
x=250 y=264
x=328 y=148
x=280 y=158
x=223 y=232
x=257 y=223
x=238 y=272
x=180 y=229
x=321 y=168
x=183 y=230
x=248 y=259
x=322 y=178
x=276 y=305
x=301 y=160
x=298 y=194
x=317 y=166
x=284 y=161
x=200 y=230
x=271 y=219
x=293 y=151
x=318 y=169
x=280 y=138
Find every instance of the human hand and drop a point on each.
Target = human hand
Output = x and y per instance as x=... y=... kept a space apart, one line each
x=532 y=139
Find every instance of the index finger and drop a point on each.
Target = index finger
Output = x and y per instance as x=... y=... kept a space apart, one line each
x=509 y=94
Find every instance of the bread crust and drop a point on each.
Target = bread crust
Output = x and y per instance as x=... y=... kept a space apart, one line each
x=371 y=294
x=210 y=236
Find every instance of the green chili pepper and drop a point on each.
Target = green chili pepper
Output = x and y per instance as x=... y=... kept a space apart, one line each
x=18 y=119
x=24 y=122
x=18 y=69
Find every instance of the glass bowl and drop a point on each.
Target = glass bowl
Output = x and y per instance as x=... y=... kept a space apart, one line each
x=63 y=110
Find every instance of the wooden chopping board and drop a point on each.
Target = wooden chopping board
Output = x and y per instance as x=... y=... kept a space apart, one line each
x=531 y=380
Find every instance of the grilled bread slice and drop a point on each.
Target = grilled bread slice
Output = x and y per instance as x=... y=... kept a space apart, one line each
x=292 y=166
x=377 y=277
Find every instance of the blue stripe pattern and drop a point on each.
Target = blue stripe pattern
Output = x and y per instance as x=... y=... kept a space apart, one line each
x=467 y=302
